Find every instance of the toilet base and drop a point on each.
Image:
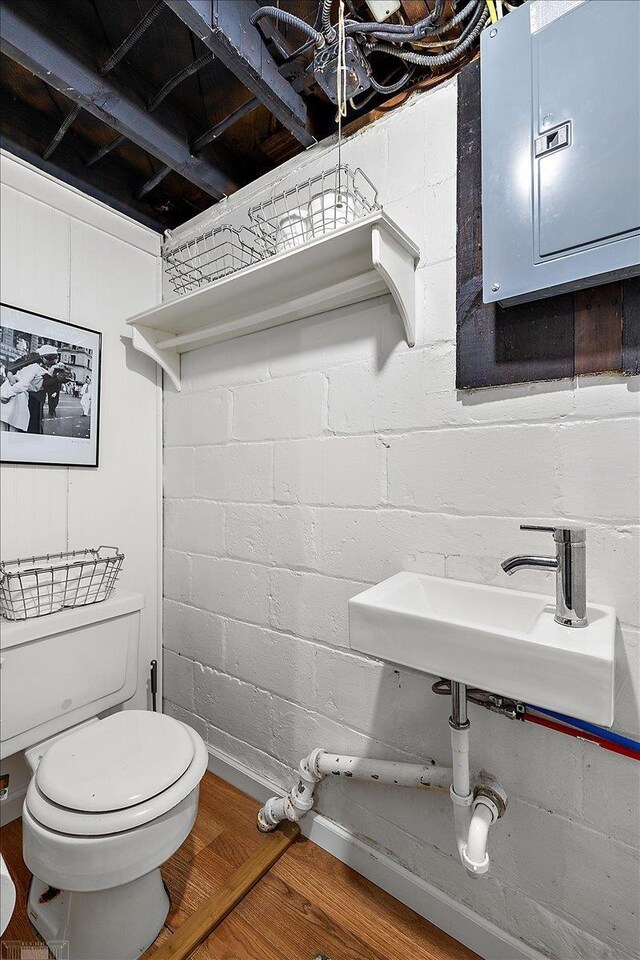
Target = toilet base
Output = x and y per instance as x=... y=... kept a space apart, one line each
x=115 y=924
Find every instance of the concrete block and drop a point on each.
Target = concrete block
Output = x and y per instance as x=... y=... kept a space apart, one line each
x=231 y=588
x=284 y=408
x=611 y=785
x=597 y=479
x=244 y=360
x=439 y=280
x=441 y=134
x=259 y=763
x=360 y=331
x=311 y=606
x=185 y=716
x=297 y=730
x=440 y=221
x=580 y=874
x=490 y=470
x=283 y=535
x=194 y=526
x=358 y=691
x=273 y=661
x=177 y=576
x=194 y=633
x=179 y=474
x=193 y=419
x=332 y=470
x=178 y=679
x=235 y=471
x=236 y=707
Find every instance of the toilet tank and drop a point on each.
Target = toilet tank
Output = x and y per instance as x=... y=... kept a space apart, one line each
x=61 y=669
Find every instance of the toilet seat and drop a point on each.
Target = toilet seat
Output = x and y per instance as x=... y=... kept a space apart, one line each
x=83 y=775
x=118 y=762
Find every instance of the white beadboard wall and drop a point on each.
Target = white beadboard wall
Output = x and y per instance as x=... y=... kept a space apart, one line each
x=303 y=463
x=74 y=259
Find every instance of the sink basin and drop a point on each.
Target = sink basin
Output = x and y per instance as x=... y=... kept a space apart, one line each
x=490 y=637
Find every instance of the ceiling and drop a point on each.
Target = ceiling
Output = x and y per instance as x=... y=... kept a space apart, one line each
x=160 y=108
x=114 y=96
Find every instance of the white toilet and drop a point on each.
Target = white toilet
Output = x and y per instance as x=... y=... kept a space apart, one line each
x=110 y=799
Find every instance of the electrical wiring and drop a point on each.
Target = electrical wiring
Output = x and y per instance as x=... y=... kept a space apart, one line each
x=394 y=87
x=416 y=31
x=432 y=60
x=492 y=11
x=277 y=14
x=426 y=47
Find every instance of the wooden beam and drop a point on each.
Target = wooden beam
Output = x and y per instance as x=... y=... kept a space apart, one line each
x=220 y=128
x=24 y=42
x=220 y=904
x=598 y=328
x=226 y=30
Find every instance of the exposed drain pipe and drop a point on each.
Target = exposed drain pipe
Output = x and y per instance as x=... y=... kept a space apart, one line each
x=321 y=763
x=473 y=810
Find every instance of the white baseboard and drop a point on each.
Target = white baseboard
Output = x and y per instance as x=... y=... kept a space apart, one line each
x=456 y=919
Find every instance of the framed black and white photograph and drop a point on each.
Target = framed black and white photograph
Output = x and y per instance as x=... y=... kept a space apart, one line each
x=49 y=390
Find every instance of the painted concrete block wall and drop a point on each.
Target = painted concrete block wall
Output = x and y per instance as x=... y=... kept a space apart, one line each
x=71 y=258
x=304 y=463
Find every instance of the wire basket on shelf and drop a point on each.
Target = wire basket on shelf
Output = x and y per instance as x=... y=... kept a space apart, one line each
x=211 y=255
x=325 y=202
x=37 y=586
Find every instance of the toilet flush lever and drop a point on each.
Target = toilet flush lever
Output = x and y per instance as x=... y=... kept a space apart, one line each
x=570 y=564
x=153 y=684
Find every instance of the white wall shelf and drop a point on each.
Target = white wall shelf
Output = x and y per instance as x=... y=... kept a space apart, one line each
x=362 y=260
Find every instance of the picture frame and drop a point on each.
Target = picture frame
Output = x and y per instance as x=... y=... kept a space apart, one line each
x=49 y=390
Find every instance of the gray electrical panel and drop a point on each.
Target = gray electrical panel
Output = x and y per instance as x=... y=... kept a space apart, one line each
x=560 y=148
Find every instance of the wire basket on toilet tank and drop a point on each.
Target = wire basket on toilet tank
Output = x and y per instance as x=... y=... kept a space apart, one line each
x=37 y=586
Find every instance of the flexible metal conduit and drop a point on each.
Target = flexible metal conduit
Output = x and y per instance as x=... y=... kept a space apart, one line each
x=289 y=19
x=432 y=60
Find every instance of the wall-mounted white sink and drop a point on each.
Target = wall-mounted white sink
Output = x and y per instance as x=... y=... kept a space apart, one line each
x=500 y=640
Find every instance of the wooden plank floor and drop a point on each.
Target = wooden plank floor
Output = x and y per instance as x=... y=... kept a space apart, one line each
x=308 y=904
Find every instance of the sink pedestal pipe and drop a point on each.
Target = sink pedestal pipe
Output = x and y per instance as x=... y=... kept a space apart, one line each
x=474 y=810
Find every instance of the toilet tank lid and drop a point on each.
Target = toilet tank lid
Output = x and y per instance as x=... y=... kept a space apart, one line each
x=123 y=760
x=120 y=603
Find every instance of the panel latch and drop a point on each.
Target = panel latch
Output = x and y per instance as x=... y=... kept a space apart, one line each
x=552 y=140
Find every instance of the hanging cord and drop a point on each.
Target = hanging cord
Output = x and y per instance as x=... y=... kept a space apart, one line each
x=341 y=92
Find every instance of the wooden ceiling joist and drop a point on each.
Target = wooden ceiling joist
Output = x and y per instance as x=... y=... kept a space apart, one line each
x=226 y=29
x=24 y=42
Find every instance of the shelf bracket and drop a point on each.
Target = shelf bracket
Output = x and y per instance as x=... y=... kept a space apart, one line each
x=145 y=339
x=397 y=266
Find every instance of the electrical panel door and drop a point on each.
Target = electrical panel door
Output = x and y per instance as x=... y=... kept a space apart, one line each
x=560 y=148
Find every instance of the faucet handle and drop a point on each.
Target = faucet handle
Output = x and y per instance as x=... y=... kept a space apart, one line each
x=570 y=533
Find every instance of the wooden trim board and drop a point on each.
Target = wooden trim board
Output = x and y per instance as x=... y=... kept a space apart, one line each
x=596 y=330
x=436 y=906
x=206 y=918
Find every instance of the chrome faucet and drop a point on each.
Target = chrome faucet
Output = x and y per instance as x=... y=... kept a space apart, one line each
x=570 y=564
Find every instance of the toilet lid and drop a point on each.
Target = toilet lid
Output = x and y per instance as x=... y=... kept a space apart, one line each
x=116 y=763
